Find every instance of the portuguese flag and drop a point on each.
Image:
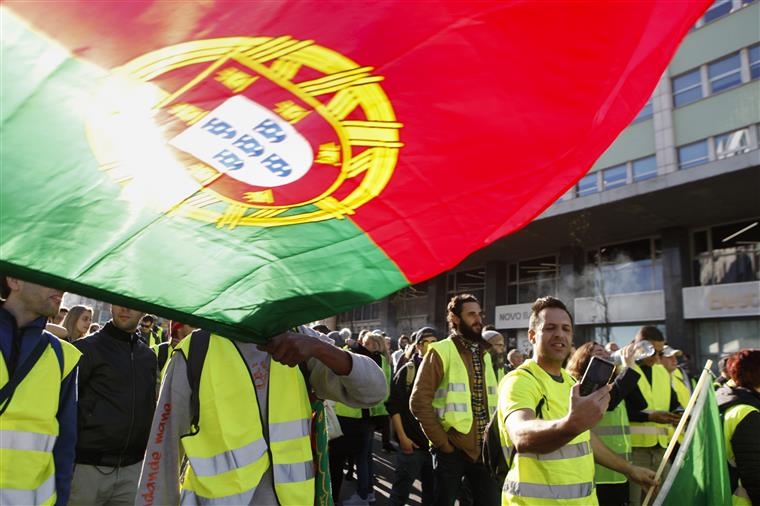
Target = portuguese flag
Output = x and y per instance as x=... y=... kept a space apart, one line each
x=248 y=166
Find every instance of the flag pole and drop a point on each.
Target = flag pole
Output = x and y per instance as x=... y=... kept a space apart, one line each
x=703 y=379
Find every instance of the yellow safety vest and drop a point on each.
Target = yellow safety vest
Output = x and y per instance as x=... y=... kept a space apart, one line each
x=231 y=450
x=614 y=431
x=379 y=408
x=679 y=386
x=562 y=477
x=29 y=429
x=453 y=401
x=657 y=397
x=731 y=419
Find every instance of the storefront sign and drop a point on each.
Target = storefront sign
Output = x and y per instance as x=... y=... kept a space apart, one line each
x=512 y=316
x=721 y=301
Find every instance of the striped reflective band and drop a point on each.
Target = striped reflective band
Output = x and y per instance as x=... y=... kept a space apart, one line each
x=648 y=429
x=229 y=460
x=190 y=498
x=35 y=496
x=565 y=452
x=292 y=473
x=452 y=387
x=540 y=491
x=285 y=431
x=611 y=430
x=31 y=441
x=452 y=406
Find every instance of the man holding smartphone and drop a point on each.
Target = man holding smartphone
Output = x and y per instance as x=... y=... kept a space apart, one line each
x=649 y=427
x=545 y=422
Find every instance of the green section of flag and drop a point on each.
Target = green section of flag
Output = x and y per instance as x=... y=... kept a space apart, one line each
x=67 y=222
x=699 y=475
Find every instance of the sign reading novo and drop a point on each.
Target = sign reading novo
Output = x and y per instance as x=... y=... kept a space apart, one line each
x=512 y=316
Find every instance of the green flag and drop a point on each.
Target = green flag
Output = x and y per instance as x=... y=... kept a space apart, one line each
x=699 y=475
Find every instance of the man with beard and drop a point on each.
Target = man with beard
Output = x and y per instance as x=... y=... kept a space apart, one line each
x=545 y=423
x=453 y=398
x=496 y=340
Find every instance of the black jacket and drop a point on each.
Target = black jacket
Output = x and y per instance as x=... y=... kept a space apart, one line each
x=117 y=397
x=745 y=441
x=398 y=402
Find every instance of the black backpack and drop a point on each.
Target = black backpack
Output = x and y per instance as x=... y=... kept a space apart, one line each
x=498 y=460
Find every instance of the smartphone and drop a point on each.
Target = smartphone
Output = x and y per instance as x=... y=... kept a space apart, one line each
x=598 y=374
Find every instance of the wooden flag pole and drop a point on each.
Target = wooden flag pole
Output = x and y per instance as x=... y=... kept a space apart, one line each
x=703 y=379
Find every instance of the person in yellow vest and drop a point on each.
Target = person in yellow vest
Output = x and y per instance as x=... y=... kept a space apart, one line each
x=246 y=429
x=164 y=350
x=650 y=427
x=545 y=423
x=149 y=331
x=614 y=429
x=498 y=356
x=669 y=360
x=453 y=397
x=38 y=387
x=739 y=406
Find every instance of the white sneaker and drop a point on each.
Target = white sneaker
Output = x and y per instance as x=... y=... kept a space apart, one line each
x=371 y=497
x=355 y=500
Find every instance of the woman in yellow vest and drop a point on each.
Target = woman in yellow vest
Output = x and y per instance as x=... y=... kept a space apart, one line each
x=740 y=409
x=614 y=429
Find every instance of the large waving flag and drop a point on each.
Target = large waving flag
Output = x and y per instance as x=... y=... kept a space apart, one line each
x=246 y=166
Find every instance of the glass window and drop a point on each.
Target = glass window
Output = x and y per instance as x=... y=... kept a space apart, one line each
x=718 y=9
x=727 y=254
x=615 y=176
x=731 y=144
x=644 y=168
x=646 y=111
x=531 y=279
x=587 y=185
x=725 y=73
x=687 y=88
x=471 y=281
x=624 y=268
x=693 y=154
x=720 y=337
x=754 y=61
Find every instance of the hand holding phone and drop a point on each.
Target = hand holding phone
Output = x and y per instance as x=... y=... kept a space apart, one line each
x=598 y=373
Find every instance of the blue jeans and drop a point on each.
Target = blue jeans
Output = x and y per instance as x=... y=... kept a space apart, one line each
x=409 y=467
x=450 y=468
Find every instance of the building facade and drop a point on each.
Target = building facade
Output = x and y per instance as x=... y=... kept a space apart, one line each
x=663 y=230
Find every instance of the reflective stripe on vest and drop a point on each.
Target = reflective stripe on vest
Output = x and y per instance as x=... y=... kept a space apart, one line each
x=565 y=452
x=230 y=453
x=230 y=460
x=44 y=494
x=648 y=429
x=452 y=401
x=190 y=498
x=657 y=396
x=539 y=491
x=31 y=441
x=611 y=430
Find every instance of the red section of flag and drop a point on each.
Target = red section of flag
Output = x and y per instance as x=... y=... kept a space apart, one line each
x=504 y=105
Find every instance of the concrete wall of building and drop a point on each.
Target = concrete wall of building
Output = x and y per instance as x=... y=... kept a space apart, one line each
x=636 y=141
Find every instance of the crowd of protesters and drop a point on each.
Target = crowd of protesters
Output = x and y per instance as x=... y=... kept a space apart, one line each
x=146 y=413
